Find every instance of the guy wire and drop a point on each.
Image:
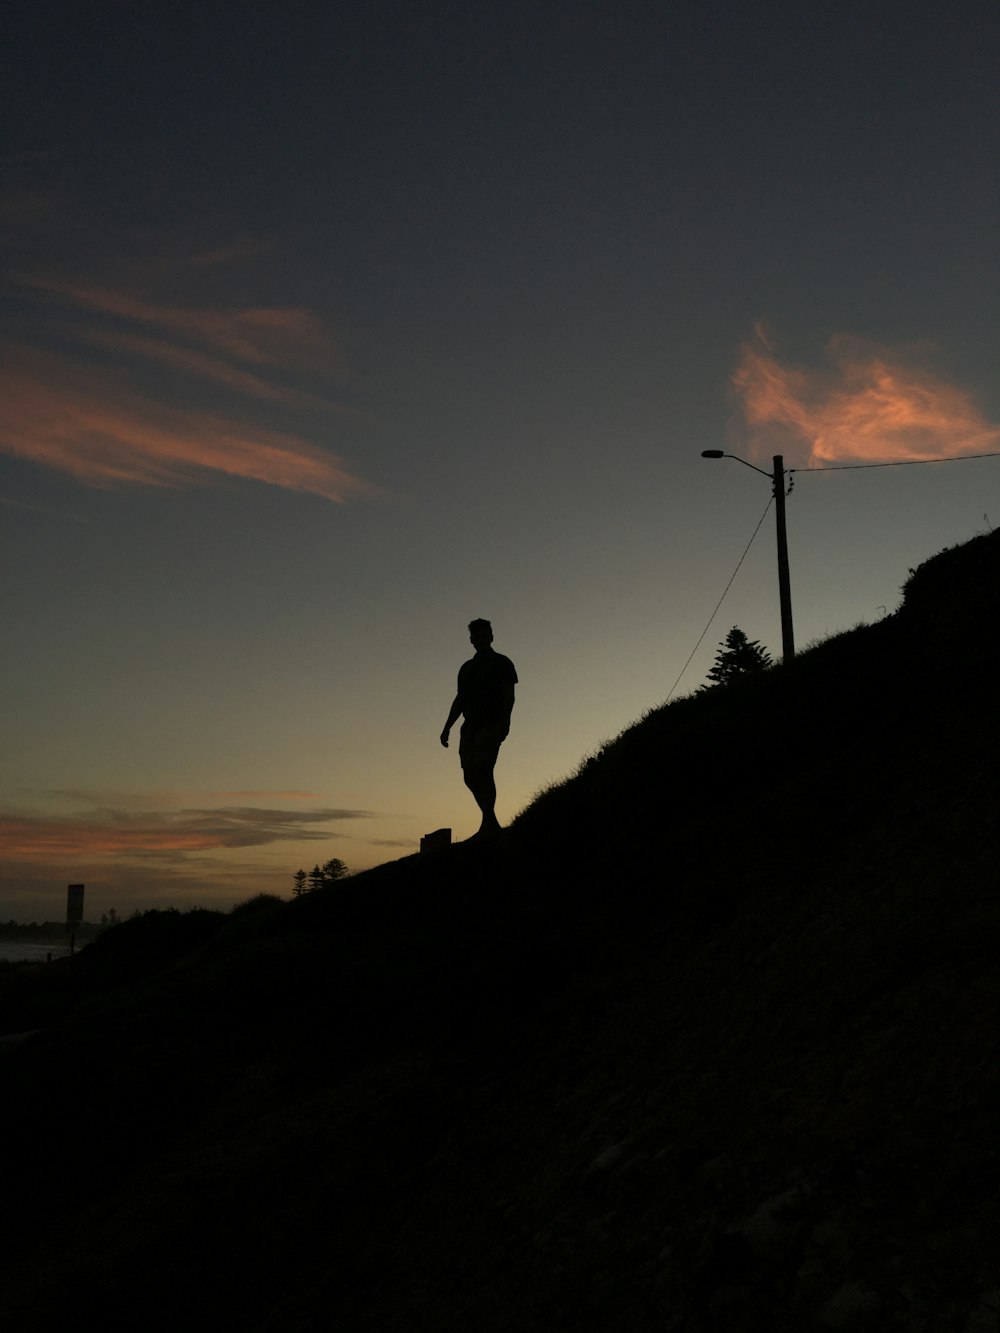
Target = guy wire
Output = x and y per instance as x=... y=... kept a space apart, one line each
x=721 y=600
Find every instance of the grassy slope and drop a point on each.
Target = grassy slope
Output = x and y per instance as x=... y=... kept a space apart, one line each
x=707 y=1042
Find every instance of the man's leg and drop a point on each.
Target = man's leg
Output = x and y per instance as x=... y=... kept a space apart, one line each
x=479 y=780
x=479 y=752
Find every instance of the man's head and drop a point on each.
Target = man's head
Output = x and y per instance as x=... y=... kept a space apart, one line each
x=480 y=634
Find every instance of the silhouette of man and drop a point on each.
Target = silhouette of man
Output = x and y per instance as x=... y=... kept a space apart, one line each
x=485 y=699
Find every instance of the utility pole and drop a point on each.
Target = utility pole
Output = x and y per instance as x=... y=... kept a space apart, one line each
x=784 y=584
x=777 y=479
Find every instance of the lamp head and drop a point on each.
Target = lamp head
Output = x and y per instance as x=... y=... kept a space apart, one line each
x=712 y=453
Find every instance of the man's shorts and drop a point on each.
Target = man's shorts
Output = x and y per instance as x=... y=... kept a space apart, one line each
x=479 y=748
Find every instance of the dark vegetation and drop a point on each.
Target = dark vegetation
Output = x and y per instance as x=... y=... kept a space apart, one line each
x=706 y=1041
x=320 y=877
x=737 y=656
x=44 y=932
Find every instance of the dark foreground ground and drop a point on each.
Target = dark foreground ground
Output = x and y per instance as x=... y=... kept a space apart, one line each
x=706 y=1041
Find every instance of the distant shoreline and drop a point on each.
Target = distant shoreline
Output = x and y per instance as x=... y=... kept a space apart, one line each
x=33 y=951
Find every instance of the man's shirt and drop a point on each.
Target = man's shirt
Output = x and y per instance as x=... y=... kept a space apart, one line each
x=485 y=688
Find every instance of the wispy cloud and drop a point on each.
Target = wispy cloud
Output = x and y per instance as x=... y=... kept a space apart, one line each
x=192 y=361
x=247 y=247
x=109 y=833
x=865 y=404
x=102 y=383
x=162 y=799
x=278 y=336
x=93 y=425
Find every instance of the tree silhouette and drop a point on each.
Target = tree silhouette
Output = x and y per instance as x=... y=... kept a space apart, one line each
x=333 y=870
x=737 y=656
x=320 y=877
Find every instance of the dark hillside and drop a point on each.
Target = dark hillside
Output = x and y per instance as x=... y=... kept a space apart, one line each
x=706 y=1041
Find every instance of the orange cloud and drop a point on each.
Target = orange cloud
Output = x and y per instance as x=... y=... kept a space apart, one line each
x=44 y=838
x=192 y=361
x=865 y=405
x=279 y=336
x=64 y=412
x=91 y=425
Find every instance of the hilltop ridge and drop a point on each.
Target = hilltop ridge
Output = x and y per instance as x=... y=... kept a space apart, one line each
x=706 y=1041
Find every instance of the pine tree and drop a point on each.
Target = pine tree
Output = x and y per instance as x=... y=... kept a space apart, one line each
x=737 y=656
x=320 y=877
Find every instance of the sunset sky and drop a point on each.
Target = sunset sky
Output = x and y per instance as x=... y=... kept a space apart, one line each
x=328 y=327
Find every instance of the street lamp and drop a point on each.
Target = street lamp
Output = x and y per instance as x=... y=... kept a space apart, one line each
x=777 y=479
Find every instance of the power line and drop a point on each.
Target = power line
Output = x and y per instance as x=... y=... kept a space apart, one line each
x=900 y=462
x=721 y=599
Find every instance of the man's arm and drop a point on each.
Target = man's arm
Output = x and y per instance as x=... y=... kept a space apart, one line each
x=453 y=716
x=508 y=701
x=509 y=680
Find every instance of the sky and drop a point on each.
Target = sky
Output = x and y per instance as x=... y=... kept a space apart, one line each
x=326 y=328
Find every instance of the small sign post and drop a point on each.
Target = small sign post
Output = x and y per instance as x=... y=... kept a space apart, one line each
x=74 y=912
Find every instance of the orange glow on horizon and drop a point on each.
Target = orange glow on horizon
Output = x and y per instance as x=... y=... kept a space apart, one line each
x=42 y=838
x=866 y=406
x=48 y=839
